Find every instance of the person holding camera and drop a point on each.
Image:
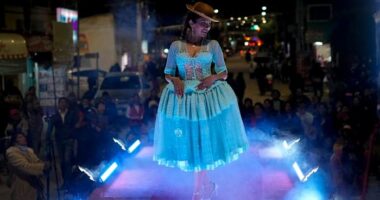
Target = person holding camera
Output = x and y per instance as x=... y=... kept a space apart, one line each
x=26 y=169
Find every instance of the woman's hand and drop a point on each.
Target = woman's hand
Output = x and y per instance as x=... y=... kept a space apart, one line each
x=206 y=82
x=178 y=86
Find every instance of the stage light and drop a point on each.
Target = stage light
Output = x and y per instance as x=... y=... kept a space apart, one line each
x=100 y=173
x=288 y=146
x=134 y=146
x=120 y=143
x=88 y=172
x=108 y=172
x=298 y=171
x=301 y=176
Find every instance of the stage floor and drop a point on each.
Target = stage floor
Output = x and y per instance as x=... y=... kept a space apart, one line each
x=249 y=177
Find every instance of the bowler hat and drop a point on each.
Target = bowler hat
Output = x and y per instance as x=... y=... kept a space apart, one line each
x=202 y=9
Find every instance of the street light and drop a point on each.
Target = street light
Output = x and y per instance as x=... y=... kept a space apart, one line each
x=263 y=20
x=264 y=8
x=263 y=13
x=216 y=11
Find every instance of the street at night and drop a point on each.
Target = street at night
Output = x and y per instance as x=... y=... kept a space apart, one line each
x=189 y=100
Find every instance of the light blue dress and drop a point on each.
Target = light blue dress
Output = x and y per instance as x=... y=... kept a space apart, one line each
x=202 y=129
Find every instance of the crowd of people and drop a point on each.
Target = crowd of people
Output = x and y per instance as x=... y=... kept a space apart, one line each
x=79 y=132
x=331 y=124
x=334 y=126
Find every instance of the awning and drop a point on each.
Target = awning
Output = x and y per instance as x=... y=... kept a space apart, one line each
x=10 y=67
x=12 y=46
x=13 y=53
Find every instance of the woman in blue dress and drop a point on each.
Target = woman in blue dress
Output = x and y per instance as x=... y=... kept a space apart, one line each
x=198 y=125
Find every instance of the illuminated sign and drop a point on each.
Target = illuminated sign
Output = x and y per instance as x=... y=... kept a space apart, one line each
x=65 y=15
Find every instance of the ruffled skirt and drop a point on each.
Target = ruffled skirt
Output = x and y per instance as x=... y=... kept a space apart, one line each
x=199 y=131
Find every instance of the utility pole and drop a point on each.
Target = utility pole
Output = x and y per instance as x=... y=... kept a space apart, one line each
x=138 y=53
x=300 y=26
x=299 y=33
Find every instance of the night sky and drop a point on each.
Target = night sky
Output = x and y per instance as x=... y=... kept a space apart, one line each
x=172 y=11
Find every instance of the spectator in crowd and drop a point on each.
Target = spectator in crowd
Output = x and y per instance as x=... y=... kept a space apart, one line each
x=261 y=121
x=26 y=170
x=149 y=121
x=92 y=88
x=16 y=123
x=111 y=110
x=278 y=104
x=35 y=123
x=336 y=167
x=240 y=87
x=152 y=73
x=153 y=99
x=289 y=121
x=63 y=122
x=286 y=70
x=268 y=108
x=247 y=113
x=73 y=102
x=316 y=76
x=83 y=139
x=299 y=97
x=248 y=56
x=102 y=117
x=231 y=81
x=115 y=68
x=3 y=114
x=30 y=95
x=343 y=115
x=307 y=120
x=135 y=113
x=260 y=73
x=102 y=133
x=315 y=101
x=13 y=95
x=86 y=104
x=151 y=69
x=296 y=83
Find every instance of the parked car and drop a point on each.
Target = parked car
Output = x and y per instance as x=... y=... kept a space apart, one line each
x=122 y=86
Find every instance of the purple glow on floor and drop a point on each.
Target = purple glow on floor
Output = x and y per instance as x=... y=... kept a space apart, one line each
x=246 y=178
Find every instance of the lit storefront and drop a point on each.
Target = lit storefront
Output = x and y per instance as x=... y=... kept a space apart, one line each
x=14 y=62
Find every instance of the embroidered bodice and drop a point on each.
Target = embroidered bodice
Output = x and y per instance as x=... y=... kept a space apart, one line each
x=194 y=67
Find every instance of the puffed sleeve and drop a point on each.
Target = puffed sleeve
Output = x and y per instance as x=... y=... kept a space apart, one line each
x=218 y=58
x=171 y=65
x=19 y=162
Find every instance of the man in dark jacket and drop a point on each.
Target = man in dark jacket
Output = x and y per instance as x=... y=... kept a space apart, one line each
x=63 y=122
